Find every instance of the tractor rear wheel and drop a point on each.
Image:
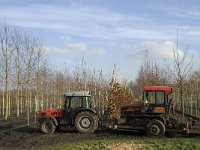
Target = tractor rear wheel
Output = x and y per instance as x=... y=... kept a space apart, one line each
x=47 y=126
x=155 y=128
x=86 y=122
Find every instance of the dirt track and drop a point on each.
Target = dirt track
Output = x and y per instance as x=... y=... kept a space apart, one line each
x=30 y=137
x=27 y=137
x=14 y=137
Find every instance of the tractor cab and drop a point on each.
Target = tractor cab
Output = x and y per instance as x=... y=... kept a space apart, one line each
x=155 y=99
x=76 y=102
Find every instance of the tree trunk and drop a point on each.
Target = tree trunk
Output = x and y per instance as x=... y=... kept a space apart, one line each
x=182 y=100
x=3 y=108
x=18 y=91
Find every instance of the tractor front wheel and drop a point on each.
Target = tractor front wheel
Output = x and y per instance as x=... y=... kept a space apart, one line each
x=47 y=126
x=155 y=128
x=86 y=122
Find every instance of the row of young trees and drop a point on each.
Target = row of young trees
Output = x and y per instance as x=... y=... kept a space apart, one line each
x=28 y=83
x=20 y=57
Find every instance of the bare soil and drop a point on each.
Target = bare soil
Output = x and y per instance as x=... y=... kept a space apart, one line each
x=15 y=135
x=31 y=137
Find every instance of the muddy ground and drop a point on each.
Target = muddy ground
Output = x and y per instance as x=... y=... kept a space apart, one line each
x=31 y=137
x=14 y=135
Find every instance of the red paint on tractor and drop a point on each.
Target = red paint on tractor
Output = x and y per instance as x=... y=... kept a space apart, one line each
x=133 y=107
x=167 y=89
x=51 y=113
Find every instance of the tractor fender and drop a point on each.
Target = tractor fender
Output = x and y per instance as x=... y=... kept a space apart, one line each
x=54 y=120
x=81 y=110
x=162 y=119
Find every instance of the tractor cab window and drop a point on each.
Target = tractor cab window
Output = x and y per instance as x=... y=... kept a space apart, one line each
x=160 y=97
x=154 y=97
x=151 y=97
x=76 y=102
x=87 y=102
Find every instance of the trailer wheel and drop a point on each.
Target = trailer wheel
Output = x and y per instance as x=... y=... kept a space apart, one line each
x=86 y=122
x=47 y=126
x=155 y=128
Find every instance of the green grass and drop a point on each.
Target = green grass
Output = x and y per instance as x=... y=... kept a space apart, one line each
x=144 y=144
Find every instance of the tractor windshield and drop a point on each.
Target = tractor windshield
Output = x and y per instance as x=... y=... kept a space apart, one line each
x=154 y=97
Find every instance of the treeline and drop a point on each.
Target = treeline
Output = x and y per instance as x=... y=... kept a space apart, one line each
x=28 y=83
x=21 y=56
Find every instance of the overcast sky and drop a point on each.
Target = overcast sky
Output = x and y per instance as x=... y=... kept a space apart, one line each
x=108 y=31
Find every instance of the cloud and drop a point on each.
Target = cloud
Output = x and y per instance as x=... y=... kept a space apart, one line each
x=101 y=22
x=96 y=23
x=79 y=47
x=156 y=51
x=71 y=49
x=60 y=52
x=91 y=22
x=74 y=50
x=99 y=52
x=160 y=50
x=193 y=33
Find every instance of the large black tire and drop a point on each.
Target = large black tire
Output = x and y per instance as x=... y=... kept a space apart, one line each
x=155 y=128
x=47 y=126
x=86 y=122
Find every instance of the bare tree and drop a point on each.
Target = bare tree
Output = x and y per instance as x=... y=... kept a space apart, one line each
x=32 y=50
x=18 y=57
x=182 y=67
x=150 y=73
x=6 y=48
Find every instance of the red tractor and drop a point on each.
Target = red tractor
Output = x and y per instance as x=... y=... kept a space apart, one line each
x=152 y=114
x=78 y=112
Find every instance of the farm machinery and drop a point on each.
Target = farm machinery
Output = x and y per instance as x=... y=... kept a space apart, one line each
x=153 y=113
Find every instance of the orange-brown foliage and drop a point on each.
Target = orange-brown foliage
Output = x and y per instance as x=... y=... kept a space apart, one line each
x=118 y=96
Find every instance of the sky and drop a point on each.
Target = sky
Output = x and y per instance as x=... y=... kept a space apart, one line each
x=109 y=31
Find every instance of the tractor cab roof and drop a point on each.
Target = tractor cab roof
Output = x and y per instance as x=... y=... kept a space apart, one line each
x=77 y=93
x=167 y=89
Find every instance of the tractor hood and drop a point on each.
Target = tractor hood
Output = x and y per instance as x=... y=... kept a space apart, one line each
x=137 y=106
x=51 y=113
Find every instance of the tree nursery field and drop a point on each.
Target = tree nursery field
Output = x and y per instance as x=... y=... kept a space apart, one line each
x=37 y=97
